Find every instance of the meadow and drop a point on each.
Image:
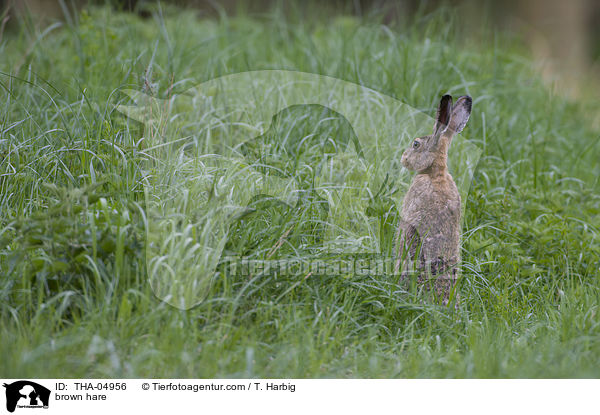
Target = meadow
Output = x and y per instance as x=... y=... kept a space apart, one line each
x=75 y=300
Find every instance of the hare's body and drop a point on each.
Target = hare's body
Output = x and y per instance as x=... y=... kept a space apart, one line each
x=429 y=231
x=432 y=208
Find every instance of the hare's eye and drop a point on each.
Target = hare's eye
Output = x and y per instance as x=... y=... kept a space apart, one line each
x=416 y=144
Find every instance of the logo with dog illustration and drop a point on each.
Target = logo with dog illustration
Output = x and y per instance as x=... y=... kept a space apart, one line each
x=26 y=394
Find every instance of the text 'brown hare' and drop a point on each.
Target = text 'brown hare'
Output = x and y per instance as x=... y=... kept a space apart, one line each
x=429 y=230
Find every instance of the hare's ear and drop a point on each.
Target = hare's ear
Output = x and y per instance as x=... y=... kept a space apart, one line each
x=442 y=118
x=460 y=114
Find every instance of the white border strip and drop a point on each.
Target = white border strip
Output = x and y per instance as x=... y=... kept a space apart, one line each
x=306 y=396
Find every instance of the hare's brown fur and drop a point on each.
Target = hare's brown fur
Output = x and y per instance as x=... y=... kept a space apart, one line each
x=431 y=217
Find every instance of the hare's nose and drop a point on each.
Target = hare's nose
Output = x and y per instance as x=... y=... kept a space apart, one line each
x=404 y=160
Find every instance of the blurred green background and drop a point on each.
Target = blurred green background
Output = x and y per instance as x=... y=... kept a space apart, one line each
x=564 y=36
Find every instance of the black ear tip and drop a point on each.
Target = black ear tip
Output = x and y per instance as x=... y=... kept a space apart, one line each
x=468 y=101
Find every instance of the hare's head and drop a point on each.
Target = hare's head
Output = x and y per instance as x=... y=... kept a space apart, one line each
x=425 y=152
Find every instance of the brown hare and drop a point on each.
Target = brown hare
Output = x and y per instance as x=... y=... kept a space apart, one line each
x=429 y=230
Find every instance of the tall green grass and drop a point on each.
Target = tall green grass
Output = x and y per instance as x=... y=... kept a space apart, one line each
x=74 y=295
